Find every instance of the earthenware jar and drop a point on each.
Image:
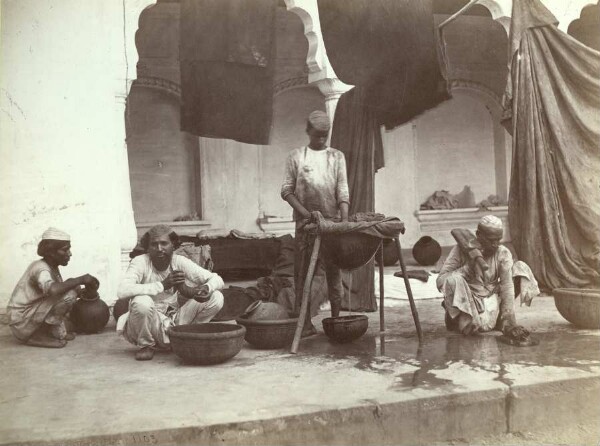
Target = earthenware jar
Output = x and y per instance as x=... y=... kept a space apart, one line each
x=121 y=307
x=265 y=311
x=89 y=314
x=390 y=253
x=427 y=251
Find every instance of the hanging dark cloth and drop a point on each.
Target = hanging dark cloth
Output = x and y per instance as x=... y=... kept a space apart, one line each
x=388 y=48
x=358 y=135
x=553 y=95
x=227 y=63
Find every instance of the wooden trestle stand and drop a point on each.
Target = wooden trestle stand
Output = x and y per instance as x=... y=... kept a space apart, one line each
x=309 y=278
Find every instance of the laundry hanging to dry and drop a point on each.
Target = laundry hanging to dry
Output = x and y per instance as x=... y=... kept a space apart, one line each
x=388 y=48
x=227 y=63
x=553 y=99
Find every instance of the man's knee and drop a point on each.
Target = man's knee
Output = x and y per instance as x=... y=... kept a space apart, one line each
x=217 y=300
x=451 y=282
x=141 y=304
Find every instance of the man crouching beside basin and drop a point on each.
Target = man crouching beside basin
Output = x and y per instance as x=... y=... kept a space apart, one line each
x=166 y=289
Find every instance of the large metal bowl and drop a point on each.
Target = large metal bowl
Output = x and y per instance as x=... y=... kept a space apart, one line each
x=210 y=343
x=580 y=306
x=345 y=328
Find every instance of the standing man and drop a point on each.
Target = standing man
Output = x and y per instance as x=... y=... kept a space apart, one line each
x=316 y=180
x=167 y=289
x=41 y=299
x=476 y=301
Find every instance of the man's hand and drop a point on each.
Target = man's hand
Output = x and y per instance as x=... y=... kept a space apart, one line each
x=173 y=279
x=90 y=282
x=517 y=332
x=70 y=298
x=202 y=295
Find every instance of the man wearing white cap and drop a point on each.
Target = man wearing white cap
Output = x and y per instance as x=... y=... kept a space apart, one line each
x=41 y=299
x=166 y=289
x=316 y=180
x=476 y=301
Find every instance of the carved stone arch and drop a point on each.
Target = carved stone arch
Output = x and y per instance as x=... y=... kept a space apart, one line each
x=132 y=10
x=309 y=14
x=289 y=84
x=490 y=98
x=565 y=12
x=586 y=27
x=157 y=83
x=570 y=11
x=502 y=140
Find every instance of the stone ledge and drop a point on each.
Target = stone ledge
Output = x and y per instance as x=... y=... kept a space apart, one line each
x=417 y=421
x=439 y=223
x=187 y=228
x=277 y=225
x=559 y=403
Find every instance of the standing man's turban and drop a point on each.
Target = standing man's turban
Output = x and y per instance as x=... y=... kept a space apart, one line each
x=319 y=121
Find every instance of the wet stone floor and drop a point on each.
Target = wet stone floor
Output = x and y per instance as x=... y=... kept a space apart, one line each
x=388 y=353
x=101 y=390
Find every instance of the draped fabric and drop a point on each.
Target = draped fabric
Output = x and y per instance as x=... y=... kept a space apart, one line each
x=358 y=135
x=553 y=95
x=388 y=48
x=227 y=64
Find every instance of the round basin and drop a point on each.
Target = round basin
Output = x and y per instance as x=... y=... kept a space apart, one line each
x=350 y=250
x=210 y=343
x=580 y=306
x=345 y=328
x=269 y=334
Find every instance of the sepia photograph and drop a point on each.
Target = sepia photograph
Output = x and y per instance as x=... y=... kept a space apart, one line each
x=299 y=222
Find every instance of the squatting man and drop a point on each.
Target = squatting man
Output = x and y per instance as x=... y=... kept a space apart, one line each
x=165 y=289
x=477 y=301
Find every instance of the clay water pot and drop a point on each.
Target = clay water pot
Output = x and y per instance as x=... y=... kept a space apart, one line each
x=89 y=314
x=427 y=251
x=265 y=311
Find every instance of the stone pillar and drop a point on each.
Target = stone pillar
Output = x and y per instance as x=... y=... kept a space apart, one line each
x=332 y=89
x=127 y=229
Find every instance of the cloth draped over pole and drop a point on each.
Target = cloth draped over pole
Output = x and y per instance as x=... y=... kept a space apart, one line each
x=553 y=99
x=387 y=47
x=227 y=60
x=357 y=134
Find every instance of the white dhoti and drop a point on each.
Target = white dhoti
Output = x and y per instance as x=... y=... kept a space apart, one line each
x=145 y=326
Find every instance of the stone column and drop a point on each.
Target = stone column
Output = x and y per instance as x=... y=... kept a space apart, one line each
x=131 y=10
x=128 y=232
x=332 y=89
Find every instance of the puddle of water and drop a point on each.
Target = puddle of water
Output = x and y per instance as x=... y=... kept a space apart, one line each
x=379 y=354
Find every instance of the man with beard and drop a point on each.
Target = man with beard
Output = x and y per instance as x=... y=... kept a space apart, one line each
x=166 y=289
x=41 y=299
x=476 y=300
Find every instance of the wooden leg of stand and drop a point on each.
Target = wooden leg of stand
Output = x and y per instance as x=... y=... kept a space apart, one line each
x=413 y=307
x=381 y=292
x=306 y=294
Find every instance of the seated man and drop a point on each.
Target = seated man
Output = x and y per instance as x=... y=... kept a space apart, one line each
x=41 y=300
x=476 y=301
x=167 y=289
